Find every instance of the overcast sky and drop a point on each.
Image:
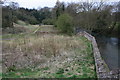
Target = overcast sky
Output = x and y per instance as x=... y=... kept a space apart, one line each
x=49 y=3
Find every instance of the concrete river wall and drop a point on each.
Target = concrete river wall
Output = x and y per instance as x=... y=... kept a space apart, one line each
x=101 y=67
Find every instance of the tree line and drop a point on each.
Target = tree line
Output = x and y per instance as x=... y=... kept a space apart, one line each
x=98 y=17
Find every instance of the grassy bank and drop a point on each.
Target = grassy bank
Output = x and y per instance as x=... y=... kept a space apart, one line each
x=37 y=55
x=48 y=56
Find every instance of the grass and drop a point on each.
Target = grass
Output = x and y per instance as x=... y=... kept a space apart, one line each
x=20 y=73
x=30 y=30
x=11 y=36
x=47 y=56
x=21 y=23
x=51 y=56
x=47 y=28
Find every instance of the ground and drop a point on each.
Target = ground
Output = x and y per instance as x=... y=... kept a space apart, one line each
x=48 y=55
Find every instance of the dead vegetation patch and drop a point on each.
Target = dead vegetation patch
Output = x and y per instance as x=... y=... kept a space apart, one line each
x=59 y=54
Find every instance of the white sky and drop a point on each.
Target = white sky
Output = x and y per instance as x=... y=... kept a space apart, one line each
x=49 y=3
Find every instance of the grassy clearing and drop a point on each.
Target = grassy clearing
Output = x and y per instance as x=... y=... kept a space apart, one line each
x=48 y=56
x=10 y=36
x=30 y=28
x=27 y=30
x=47 y=28
x=20 y=30
x=33 y=55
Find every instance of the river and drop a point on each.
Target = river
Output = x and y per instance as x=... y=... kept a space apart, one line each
x=110 y=50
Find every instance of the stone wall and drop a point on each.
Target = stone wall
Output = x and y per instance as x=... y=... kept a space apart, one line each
x=101 y=67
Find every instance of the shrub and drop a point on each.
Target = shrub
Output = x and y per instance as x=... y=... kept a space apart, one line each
x=48 y=21
x=64 y=23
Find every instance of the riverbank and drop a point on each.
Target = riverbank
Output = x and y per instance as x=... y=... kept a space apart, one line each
x=101 y=67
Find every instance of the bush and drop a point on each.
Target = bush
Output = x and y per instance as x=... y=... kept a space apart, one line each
x=64 y=23
x=48 y=21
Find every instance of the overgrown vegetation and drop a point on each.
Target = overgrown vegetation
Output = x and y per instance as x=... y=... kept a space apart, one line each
x=48 y=56
x=64 y=24
x=33 y=55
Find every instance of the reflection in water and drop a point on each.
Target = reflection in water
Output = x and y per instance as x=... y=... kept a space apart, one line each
x=109 y=51
x=113 y=41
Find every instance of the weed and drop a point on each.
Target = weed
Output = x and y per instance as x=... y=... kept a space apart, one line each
x=36 y=50
x=60 y=71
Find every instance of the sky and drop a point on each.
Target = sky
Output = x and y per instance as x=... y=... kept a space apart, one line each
x=49 y=3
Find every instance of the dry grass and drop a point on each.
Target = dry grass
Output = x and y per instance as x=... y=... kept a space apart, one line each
x=46 y=55
x=31 y=48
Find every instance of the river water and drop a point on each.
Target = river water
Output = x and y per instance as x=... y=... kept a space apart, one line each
x=110 y=51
